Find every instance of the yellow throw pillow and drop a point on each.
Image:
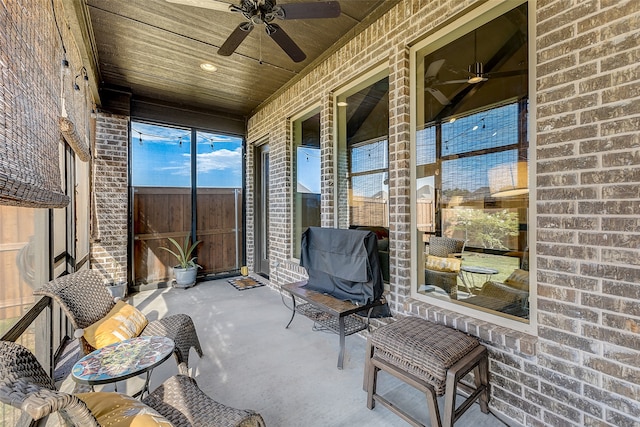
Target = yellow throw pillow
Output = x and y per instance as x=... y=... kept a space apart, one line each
x=124 y=321
x=451 y=265
x=119 y=410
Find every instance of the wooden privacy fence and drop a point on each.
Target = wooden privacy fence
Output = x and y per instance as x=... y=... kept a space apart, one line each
x=159 y=213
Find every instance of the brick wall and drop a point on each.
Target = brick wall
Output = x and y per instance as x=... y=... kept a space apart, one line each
x=110 y=165
x=580 y=366
x=588 y=115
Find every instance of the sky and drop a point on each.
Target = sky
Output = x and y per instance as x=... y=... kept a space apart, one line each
x=161 y=157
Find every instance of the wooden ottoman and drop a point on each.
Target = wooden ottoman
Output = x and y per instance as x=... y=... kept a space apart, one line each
x=432 y=358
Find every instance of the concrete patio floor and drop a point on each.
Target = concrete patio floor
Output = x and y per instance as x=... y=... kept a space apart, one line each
x=289 y=375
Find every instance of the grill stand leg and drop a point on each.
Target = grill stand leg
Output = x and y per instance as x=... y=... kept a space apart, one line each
x=293 y=311
x=342 y=334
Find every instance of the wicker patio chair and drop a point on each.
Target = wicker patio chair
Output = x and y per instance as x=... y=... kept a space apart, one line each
x=85 y=300
x=444 y=247
x=25 y=385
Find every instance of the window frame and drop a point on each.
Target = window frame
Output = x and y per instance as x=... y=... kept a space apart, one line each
x=429 y=43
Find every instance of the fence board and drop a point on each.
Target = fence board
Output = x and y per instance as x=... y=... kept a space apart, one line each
x=166 y=212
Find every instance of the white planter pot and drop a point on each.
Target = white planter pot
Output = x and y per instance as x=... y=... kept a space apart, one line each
x=119 y=290
x=185 y=277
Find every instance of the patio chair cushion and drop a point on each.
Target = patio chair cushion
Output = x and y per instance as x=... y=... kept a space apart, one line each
x=119 y=410
x=450 y=265
x=124 y=321
x=518 y=279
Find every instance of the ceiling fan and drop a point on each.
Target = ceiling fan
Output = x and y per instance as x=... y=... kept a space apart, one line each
x=265 y=12
x=476 y=74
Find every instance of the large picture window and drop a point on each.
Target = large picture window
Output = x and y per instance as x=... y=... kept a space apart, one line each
x=471 y=167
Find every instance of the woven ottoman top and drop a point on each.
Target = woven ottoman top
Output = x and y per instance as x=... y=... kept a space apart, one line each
x=422 y=348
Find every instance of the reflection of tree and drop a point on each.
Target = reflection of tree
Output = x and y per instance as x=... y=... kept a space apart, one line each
x=486 y=230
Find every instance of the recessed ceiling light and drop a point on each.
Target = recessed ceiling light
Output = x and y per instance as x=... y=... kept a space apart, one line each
x=208 y=67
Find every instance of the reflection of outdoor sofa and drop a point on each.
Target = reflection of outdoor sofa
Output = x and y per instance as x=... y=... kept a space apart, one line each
x=510 y=296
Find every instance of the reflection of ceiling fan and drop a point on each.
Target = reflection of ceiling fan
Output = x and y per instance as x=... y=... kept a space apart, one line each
x=476 y=75
x=264 y=12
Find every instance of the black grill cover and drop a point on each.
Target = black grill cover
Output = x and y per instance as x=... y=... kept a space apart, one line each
x=342 y=263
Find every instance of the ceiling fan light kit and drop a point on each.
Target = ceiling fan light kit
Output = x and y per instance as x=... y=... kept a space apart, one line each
x=477 y=73
x=264 y=12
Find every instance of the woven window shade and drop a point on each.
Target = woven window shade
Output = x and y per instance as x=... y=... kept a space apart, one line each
x=30 y=182
x=30 y=174
x=68 y=130
x=29 y=143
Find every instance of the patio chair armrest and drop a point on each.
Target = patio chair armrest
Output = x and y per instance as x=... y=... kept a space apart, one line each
x=180 y=328
x=38 y=402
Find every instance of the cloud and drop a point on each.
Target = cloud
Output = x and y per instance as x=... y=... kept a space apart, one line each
x=220 y=160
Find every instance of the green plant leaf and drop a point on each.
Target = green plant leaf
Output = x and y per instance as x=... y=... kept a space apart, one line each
x=182 y=256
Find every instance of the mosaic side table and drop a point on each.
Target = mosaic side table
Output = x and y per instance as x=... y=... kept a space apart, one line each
x=123 y=360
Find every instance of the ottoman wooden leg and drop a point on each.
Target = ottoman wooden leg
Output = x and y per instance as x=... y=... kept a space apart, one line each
x=371 y=386
x=367 y=365
x=481 y=377
x=471 y=361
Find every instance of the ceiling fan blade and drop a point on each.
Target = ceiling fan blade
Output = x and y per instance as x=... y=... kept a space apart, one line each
x=510 y=73
x=315 y=10
x=433 y=68
x=237 y=36
x=439 y=96
x=448 y=82
x=286 y=43
x=206 y=4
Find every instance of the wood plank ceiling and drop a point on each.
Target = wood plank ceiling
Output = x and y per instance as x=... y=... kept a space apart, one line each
x=153 y=49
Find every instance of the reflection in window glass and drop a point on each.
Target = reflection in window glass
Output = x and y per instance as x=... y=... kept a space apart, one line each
x=368 y=201
x=306 y=177
x=472 y=169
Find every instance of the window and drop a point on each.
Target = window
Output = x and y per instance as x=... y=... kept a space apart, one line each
x=471 y=165
x=363 y=153
x=306 y=176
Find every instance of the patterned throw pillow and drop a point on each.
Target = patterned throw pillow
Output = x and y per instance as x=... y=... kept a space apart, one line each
x=451 y=265
x=119 y=410
x=124 y=321
x=519 y=279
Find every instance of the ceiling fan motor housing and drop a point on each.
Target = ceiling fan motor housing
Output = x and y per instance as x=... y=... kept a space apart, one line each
x=260 y=12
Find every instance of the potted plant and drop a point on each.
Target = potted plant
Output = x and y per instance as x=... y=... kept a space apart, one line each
x=117 y=290
x=186 y=271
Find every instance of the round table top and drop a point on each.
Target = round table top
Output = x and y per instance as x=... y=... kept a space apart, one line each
x=478 y=270
x=122 y=360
